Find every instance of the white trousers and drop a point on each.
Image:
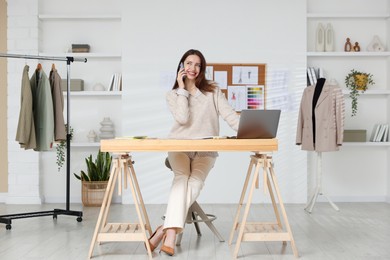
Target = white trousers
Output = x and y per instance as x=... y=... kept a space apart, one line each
x=188 y=181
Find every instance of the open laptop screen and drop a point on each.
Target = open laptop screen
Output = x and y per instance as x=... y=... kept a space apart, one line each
x=258 y=124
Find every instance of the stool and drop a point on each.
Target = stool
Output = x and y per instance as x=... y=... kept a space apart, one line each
x=195 y=215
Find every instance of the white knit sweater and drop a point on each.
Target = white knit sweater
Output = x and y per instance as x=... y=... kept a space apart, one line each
x=197 y=116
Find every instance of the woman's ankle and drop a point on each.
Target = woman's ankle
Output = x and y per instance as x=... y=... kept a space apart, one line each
x=170 y=237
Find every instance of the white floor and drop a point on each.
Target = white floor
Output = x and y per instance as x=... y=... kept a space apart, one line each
x=358 y=231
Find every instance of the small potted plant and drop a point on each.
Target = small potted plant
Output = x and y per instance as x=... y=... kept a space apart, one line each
x=95 y=180
x=357 y=81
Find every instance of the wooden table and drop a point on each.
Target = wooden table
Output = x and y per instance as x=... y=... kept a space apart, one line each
x=259 y=160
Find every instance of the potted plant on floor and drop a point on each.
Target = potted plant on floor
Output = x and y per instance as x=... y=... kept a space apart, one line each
x=357 y=81
x=94 y=181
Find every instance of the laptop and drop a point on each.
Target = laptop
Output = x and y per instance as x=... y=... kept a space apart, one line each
x=258 y=124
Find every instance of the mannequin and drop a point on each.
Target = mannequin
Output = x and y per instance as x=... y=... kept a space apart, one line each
x=320 y=127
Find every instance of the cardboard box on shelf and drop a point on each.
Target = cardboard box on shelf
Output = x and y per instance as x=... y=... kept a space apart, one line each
x=357 y=135
x=75 y=85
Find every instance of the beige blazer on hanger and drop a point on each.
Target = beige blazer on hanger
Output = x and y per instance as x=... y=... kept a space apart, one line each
x=25 y=133
x=58 y=105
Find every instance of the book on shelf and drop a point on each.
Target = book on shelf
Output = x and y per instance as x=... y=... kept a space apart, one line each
x=386 y=134
x=313 y=74
x=380 y=133
x=374 y=132
x=111 y=83
x=115 y=82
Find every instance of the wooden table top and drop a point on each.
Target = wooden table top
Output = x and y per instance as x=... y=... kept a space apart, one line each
x=123 y=145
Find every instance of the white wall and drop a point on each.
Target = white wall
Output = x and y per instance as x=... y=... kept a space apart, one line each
x=156 y=34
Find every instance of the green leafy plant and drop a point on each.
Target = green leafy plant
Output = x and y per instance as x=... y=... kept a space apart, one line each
x=61 y=147
x=98 y=169
x=357 y=81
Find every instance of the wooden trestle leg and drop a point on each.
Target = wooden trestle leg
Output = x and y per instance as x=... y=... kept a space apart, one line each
x=261 y=231
x=122 y=231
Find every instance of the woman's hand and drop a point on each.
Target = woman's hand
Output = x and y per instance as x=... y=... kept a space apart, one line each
x=180 y=78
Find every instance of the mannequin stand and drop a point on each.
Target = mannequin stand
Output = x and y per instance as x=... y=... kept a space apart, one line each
x=318 y=190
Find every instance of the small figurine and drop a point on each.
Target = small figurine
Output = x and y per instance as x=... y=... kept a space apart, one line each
x=376 y=44
x=356 y=47
x=348 y=45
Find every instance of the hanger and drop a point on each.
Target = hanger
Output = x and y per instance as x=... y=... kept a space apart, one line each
x=39 y=66
x=53 y=66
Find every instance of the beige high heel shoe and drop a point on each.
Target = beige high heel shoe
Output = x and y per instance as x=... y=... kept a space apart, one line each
x=152 y=247
x=166 y=249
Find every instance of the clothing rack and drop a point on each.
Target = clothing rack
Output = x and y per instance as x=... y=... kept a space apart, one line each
x=7 y=219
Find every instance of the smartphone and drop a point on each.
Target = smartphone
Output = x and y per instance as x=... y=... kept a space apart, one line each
x=182 y=67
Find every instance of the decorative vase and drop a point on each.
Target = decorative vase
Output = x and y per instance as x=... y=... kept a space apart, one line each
x=320 y=38
x=329 y=38
x=91 y=136
x=99 y=87
x=107 y=130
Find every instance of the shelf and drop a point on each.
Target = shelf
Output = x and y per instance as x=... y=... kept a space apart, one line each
x=370 y=92
x=79 y=17
x=348 y=54
x=366 y=144
x=348 y=16
x=86 y=144
x=94 y=93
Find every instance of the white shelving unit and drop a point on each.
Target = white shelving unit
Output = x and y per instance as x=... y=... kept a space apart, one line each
x=360 y=23
x=100 y=27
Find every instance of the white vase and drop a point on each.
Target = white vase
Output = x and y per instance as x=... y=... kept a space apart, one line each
x=92 y=136
x=329 y=38
x=107 y=130
x=320 y=38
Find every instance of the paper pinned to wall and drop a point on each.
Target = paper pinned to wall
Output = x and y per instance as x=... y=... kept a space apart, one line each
x=221 y=78
x=237 y=97
x=255 y=97
x=248 y=75
x=209 y=72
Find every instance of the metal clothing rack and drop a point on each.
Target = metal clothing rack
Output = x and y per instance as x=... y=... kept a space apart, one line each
x=7 y=219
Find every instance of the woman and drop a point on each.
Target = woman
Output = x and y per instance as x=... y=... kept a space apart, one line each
x=195 y=104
